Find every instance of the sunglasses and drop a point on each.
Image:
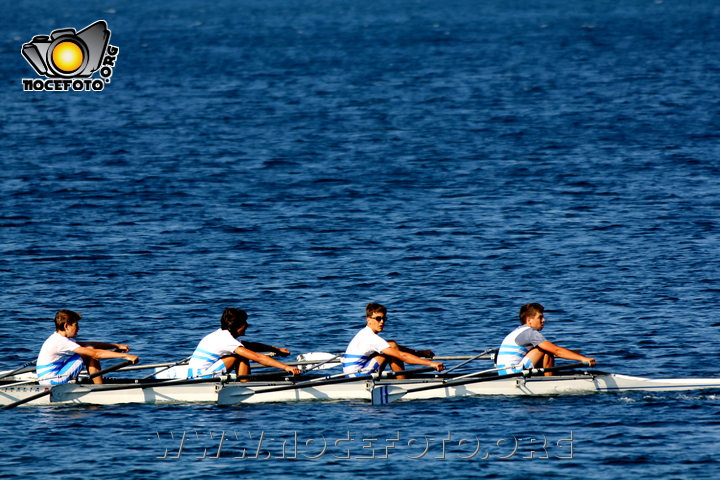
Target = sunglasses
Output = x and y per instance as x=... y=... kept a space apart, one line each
x=379 y=319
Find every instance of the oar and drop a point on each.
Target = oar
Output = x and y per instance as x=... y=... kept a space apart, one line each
x=168 y=367
x=340 y=378
x=237 y=393
x=324 y=362
x=254 y=365
x=17 y=370
x=69 y=391
x=485 y=356
x=319 y=361
x=382 y=395
x=33 y=380
x=167 y=364
x=49 y=391
x=470 y=359
x=482 y=372
x=147 y=366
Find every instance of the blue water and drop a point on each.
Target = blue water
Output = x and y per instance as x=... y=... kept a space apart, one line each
x=298 y=159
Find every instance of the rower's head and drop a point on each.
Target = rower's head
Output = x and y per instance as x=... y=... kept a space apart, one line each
x=66 y=321
x=376 y=316
x=532 y=315
x=234 y=320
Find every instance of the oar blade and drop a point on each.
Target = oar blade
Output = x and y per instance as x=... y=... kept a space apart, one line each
x=385 y=394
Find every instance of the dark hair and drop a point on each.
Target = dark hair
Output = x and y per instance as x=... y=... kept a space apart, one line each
x=232 y=319
x=64 y=317
x=374 y=307
x=530 y=310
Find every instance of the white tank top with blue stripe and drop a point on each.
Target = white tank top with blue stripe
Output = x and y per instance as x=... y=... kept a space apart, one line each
x=218 y=344
x=515 y=346
x=364 y=345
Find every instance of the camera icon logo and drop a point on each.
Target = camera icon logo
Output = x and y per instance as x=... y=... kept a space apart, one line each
x=66 y=53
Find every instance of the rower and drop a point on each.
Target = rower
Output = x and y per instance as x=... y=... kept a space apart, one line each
x=527 y=347
x=62 y=357
x=221 y=351
x=368 y=352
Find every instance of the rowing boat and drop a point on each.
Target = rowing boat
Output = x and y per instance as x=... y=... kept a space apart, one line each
x=580 y=383
x=432 y=386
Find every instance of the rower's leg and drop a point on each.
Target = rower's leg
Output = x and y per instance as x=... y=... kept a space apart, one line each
x=241 y=365
x=548 y=362
x=395 y=363
x=540 y=358
x=93 y=366
x=381 y=361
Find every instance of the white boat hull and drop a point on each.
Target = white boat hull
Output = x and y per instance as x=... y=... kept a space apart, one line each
x=86 y=394
x=233 y=393
x=558 y=385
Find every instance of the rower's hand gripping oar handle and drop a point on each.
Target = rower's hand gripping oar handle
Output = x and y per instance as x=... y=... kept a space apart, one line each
x=49 y=390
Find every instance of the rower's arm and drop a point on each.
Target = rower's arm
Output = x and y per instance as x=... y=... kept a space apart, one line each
x=261 y=347
x=100 y=354
x=418 y=353
x=265 y=360
x=412 y=359
x=106 y=346
x=564 y=353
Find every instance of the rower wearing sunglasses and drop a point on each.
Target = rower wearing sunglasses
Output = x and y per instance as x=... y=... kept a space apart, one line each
x=368 y=352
